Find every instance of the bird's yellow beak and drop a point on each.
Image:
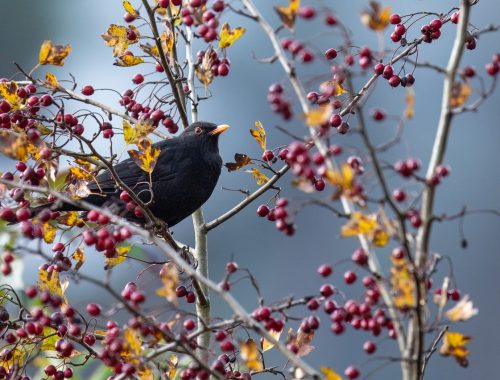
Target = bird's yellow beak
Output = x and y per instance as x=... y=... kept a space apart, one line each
x=220 y=128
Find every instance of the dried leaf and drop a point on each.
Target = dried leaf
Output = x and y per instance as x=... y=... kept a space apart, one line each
x=133 y=134
x=240 y=159
x=53 y=54
x=259 y=177
x=167 y=41
x=460 y=92
x=259 y=135
x=69 y=218
x=410 y=103
x=146 y=156
x=129 y=8
x=49 y=232
x=266 y=345
x=169 y=276
x=376 y=17
x=121 y=255
x=251 y=355
x=8 y=91
x=454 y=345
x=287 y=14
x=359 y=224
x=14 y=146
x=318 y=116
x=127 y=60
x=116 y=37
x=203 y=70
x=228 y=37
x=79 y=256
x=402 y=284
x=302 y=340
x=330 y=374
x=462 y=311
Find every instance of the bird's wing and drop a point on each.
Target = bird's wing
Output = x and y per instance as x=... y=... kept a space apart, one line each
x=132 y=175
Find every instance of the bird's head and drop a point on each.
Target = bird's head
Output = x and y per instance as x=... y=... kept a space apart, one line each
x=206 y=133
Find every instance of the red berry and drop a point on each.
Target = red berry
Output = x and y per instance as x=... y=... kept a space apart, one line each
x=350 y=277
x=454 y=17
x=398 y=253
x=307 y=12
x=93 y=309
x=360 y=257
x=395 y=19
x=227 y=346
x=351 y=372
x=87 y=90
x=395 y=81
x=138 y=78
x=231 y=267
x=400 y=29
x=23 y=214
x=268 y=155
x=399 y=195
x=369 y=347
x=325 y=270
x=331 y=54
x=379 y=68
x=223 y=70
x=319 y=185
x=189 y=324
x=190 y=297
x=327 y=290
x=263 y=210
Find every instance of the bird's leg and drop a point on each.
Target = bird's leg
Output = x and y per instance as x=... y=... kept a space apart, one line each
x=160 y=228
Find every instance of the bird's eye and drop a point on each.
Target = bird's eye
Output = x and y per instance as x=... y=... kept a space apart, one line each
x=198 y=130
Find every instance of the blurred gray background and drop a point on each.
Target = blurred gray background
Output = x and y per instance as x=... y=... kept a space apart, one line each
x=282 y=265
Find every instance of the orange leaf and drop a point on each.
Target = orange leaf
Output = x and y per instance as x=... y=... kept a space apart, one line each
x=169 y=276
x=460 y=92
x=376 y=17
x=127 y=60
x=251 y=355
x=318 y=116
x=79 y=256
x=8 y=90
x=402 y=284
x=287 y=14
x=410 y=103
x=259 y=177
x=267 y=345
x=454 y=345
x=49 y=232
x=147 y=155
x=330 y=374
x=259 y=135
x=53 y=54
x=240 y=161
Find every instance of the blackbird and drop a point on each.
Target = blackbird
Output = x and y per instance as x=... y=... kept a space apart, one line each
x=183 y=178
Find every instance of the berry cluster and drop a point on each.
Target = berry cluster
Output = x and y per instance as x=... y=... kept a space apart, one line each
x=432 y=31
x=278 y=214
x=297 y=49
x=387 y=72
x=278 y=102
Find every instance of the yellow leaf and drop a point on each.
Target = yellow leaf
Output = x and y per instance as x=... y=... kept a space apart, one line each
x=17 y=359
x=318 y=116
x=50 y=338
x=376 y=17
x=228 y=36
x=259 y=177
x=8 y=91
x=402 y=284
x=167 y=41
x=53 y=54
x=134 y=134
x=454 y=345
x=147 y=155
x=331 y=88
x=460 y=92
x=50 y=282
x=79 y=256
x=121 y=255
x=69 y=218
x=380 y=237
x=129 y=8
x=330 y=374
x=51 y=81
x=127 y=60
x=462 y=311
x=251 y=355
x=116 y=37
x=287 y=14
x=81 y=173
x=359 y=224
x=203 y=69
x=169 y=276
x=49 y=232
x=259 y=135
x=131 y=344
x=267 y=345
x=173 y=361
x=410 y=103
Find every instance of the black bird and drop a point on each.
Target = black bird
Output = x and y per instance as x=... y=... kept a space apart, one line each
x=183 y=178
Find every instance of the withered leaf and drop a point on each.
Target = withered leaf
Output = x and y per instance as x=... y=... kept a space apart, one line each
x=287 y=14
x=53 y=54
x=240 y=159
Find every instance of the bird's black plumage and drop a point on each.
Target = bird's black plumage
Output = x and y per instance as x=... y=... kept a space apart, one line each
x=183 y=178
